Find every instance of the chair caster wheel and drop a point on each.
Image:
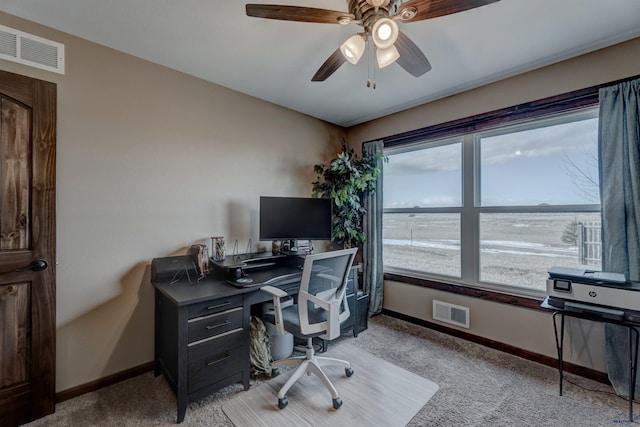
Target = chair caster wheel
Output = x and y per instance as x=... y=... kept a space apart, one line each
x=337 y=402
x=349 y=371
x=282 y=403
x=275 y=372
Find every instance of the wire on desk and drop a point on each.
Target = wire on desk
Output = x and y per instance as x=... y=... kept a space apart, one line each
x=178 y=275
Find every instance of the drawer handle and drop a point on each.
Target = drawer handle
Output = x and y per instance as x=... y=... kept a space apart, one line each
x=213 y=362
x=225 y=323
x=213 y=307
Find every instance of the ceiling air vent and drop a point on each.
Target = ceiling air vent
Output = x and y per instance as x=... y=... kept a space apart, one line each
x=28 y=49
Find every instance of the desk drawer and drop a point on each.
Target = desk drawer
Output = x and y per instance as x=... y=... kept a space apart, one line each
x=216 y=359
x=215 y=324
x=214 y=306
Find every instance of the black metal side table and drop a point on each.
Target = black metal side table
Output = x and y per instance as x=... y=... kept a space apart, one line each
x=633 y=350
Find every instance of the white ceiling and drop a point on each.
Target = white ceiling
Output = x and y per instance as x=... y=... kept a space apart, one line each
x=275 y=60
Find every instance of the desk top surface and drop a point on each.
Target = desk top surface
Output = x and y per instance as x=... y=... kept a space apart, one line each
x=183 y=292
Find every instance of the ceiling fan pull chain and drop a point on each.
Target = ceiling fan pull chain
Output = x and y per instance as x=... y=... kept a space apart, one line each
x=368 y=63
x=370 y=50
x=374 y=75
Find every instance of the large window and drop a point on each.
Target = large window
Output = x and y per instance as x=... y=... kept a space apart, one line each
x=496 y=208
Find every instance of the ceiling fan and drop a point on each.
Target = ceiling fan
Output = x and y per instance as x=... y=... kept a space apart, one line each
x=379 y=21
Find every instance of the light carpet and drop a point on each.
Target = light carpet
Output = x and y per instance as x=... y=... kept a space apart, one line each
x=479 y=387
x=379 y=393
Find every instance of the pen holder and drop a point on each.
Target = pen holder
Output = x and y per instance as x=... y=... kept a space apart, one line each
x=217 y=243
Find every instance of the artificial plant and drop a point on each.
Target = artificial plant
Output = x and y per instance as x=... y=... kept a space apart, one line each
x=346 y=181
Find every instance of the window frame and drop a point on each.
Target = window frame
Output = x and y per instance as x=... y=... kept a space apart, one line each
x=478 y=209
x=571 y=102
x=455 y=139
x=471 y=210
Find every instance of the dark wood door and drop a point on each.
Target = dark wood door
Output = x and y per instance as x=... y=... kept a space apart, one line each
x=27 y=248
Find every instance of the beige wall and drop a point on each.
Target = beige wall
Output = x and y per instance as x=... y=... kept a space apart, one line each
x=150 y=161
x=522 y=328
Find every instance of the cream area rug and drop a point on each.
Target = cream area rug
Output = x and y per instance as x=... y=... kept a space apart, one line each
x=379 y=393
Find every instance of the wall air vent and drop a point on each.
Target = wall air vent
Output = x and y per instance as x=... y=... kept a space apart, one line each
x=31 y=50
x=451 y=313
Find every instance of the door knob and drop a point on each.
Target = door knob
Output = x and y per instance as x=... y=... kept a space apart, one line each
x=36 y=265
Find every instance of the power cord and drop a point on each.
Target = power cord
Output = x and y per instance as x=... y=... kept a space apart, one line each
x=626 y=399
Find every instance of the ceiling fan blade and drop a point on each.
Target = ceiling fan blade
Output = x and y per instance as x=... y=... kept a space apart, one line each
x=411 y=57
x=329 y=67
x=297 y=13
x=427 y=9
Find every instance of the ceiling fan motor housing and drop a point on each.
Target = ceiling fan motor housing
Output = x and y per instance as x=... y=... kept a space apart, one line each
x=366 y=13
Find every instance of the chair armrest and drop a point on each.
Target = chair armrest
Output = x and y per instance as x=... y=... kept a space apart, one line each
x=277 y=305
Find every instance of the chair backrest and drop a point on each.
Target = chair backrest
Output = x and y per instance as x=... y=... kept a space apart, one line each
x=322 y=305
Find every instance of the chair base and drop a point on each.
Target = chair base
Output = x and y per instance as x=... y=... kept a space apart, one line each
x=311 y=364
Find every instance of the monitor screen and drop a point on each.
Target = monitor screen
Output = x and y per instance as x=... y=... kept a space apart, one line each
x=283 y=218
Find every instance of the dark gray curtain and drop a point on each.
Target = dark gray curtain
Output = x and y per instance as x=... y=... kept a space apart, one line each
x=619 y=154
x=372 y=250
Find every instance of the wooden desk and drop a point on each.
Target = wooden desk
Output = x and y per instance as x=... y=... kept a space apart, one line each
x=202 y=330
x=633 y=350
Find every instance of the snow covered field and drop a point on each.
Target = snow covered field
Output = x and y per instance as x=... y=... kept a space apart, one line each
x=516 y=249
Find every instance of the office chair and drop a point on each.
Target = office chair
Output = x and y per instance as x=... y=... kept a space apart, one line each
x=320 y=309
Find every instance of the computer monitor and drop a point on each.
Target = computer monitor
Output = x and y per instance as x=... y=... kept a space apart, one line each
x=295 y=218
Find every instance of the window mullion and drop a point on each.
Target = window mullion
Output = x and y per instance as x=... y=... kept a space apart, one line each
x=469 y=230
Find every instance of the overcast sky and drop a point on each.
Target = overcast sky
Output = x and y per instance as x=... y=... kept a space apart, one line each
x=528 y=167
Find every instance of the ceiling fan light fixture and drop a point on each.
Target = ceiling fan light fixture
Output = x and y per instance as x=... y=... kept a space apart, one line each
x=353 y=48
x=387 y=56
x=385 y=33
